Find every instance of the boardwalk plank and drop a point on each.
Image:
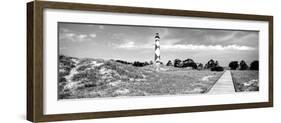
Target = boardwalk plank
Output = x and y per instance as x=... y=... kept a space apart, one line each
x=223 y=85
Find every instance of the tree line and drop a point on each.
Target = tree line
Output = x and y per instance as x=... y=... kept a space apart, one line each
x=234 y=65
x=136 y=63
x=213 y=65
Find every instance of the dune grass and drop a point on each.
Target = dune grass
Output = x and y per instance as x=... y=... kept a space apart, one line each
x=162 y=83
x=245 y=80
x=90 y=78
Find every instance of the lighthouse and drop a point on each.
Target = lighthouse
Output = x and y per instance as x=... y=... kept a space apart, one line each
x=157 y=52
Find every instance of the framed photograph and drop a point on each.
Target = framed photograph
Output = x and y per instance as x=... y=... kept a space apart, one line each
x=90 y=61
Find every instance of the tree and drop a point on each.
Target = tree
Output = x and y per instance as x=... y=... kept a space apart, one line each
x=193 y=65
x=189 y=63
x=177 y=63
x=233 y=65
x=169 y=63
x=140 y=64
x=211 y=63
x=254 y=65
x=216 y=63
x=243 y=65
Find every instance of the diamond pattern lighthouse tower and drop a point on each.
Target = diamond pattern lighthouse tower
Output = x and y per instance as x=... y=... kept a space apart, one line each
x=157 y=52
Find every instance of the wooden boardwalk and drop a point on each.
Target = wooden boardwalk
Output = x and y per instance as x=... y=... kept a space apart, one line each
x=223 y=85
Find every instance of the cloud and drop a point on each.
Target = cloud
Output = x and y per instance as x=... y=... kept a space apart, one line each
x=170 y=41
x=93 y=35
x=81 y=37
x=228 y=36
x=205 y=47
x=68 y=35
x=130 y=45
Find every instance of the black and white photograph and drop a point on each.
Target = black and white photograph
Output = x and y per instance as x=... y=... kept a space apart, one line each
x=107 y=60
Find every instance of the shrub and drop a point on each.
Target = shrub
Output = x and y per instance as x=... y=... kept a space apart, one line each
x=79 y=76
x=200 y=66
x=66 y=61
x=243 y=65
x=123 y=62
x=177 y=63
x=211 y=63
x=169 y=63
x=62 y=79
x=85 y=61
x=91 y=75
x=193 y=65
x=83 y=67
x=233 y=65
x=254 y=65
x=64 y=73
x=217 y=68
x=189 y=63
x=140 y=64
x=150 y=62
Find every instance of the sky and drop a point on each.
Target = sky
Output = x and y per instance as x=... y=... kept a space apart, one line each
x=136 y=43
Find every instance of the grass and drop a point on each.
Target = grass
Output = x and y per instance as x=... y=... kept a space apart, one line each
x=245 y=80
x=163 y=83
x=178 y=82
x=112 y=79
